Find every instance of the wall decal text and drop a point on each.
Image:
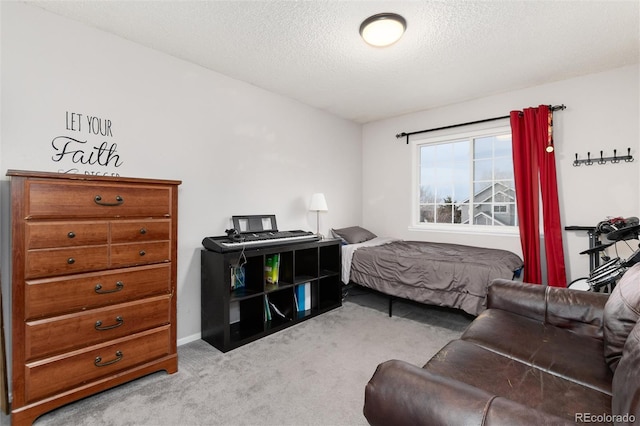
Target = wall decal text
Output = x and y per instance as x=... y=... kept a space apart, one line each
x=83 y=156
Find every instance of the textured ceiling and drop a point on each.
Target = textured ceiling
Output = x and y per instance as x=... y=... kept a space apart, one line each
x=311 y=51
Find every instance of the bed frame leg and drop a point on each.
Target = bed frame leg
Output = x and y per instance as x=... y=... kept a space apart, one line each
x=390 y=305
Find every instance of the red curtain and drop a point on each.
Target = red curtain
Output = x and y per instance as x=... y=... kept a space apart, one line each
x=535 y=176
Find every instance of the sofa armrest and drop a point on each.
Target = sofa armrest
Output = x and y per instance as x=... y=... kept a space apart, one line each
x=577 y=310
x=403 y=394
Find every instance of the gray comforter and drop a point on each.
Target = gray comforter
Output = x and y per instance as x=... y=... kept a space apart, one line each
x=442 y=274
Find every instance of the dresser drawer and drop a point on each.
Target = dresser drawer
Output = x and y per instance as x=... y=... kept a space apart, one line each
x=56 y=296
x=64 y=333
x=50 y=199
x=59 y=373
x=140 y=253
x=65 y=234
x=52 y=262
x=126 y=231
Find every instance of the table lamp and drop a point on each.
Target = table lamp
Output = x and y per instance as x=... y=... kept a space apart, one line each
x=318 y=204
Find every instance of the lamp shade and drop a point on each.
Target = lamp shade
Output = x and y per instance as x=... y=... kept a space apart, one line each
x=318 y=203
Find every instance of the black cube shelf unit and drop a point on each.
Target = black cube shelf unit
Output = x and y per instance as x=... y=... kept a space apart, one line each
x=235 y=317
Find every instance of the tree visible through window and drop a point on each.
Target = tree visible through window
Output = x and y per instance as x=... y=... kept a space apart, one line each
x=467 y=180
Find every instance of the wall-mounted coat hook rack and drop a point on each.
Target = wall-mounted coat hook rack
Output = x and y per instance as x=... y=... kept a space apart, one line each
x=603 y=160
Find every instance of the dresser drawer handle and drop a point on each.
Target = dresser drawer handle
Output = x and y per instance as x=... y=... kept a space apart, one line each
x=98 y=361
x=71 y=261
x=143 y=231
x=142 y=252
x=99 y=290
x=119 y=321
x=98 y=200
x=71 y=234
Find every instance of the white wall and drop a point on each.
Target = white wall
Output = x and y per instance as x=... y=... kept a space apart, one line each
x=237 y=149
x=602 y=114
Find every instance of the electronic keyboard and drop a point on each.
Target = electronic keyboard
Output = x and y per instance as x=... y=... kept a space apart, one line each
x=259 y=239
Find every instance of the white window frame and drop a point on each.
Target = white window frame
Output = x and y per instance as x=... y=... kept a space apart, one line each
x=451 y=135
x=500 y=208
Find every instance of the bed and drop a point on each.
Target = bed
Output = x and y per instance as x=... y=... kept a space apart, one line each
x=452 y=275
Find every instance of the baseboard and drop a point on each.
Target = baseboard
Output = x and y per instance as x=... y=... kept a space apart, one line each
x=189 y=339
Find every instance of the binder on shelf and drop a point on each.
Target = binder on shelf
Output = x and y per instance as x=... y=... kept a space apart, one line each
x=272 y=268
x=307 y=296
x=303 y=297
x=299 y=293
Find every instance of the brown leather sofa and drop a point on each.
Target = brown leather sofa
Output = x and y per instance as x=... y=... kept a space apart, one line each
x=538 y=355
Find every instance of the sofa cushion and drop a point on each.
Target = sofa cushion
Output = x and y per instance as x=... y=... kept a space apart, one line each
x=621 y=313
x=525 y=384
x=557 y=350
x=626 y=380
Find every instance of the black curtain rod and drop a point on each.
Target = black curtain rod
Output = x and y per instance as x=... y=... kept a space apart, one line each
x=407 y=134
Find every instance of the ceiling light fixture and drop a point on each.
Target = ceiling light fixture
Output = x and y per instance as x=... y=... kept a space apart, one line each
x=383 y=29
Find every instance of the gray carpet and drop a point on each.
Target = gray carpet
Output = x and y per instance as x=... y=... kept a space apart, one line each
x=311 y=374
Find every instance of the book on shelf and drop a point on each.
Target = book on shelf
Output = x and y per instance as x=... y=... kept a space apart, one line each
x=272 y=268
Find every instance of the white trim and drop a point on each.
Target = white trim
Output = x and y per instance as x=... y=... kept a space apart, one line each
x=513 y=231
x=189 y=339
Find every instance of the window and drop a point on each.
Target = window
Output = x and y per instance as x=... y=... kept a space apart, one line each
x=465 y=180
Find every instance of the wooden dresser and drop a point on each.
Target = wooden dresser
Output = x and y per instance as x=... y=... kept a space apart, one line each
x=94 y=285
